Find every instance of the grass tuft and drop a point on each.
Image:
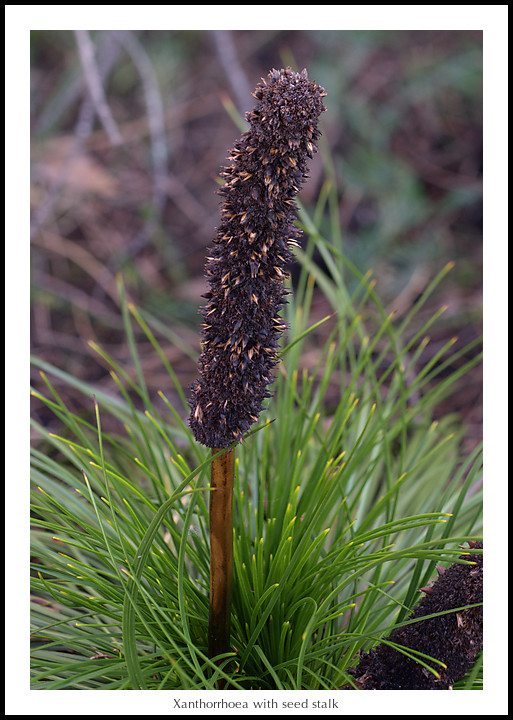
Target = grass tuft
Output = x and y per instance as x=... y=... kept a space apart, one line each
x=345 y=500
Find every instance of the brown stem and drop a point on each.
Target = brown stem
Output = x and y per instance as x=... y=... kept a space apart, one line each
x=221 y=552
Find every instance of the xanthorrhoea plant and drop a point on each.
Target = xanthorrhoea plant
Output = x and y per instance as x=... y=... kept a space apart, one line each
x=245 y=270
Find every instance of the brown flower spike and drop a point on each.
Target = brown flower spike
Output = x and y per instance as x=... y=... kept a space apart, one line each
x=455 y=638
x=246 y=267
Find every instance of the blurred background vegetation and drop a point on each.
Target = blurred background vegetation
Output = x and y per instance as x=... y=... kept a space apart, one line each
x=130 y=130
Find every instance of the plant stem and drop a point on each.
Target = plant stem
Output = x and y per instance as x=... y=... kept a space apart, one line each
x=221 y=552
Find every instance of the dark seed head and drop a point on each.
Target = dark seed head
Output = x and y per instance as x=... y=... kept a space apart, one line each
x=246 y=265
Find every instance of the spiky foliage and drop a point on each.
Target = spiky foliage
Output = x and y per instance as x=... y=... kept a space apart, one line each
x=246 y=267
x=455 y=639
x=369 y=495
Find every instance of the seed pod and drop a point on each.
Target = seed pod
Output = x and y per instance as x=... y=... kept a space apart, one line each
x=246 y=266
